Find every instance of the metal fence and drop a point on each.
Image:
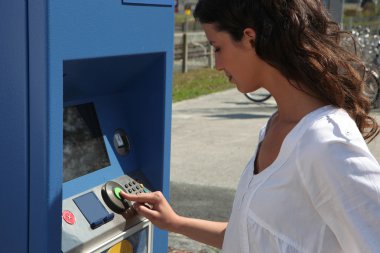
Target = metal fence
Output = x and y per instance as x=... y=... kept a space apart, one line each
x=373 y=23
x=189 y=25
x=192 y=51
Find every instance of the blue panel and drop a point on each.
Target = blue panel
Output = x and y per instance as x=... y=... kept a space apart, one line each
x=150 y=2
x=94 y=28
x=14 y=148
x=45 y=138
x=94 y=77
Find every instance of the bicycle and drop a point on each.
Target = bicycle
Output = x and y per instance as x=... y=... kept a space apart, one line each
x=368 y=49
x=371 y=89
x=258 y=96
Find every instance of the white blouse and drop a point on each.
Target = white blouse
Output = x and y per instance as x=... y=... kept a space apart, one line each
x=321 y=194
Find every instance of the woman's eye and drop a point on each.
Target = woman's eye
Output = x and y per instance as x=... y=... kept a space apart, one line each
x=216 y=49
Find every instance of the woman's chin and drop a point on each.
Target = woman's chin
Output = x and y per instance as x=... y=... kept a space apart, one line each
x=245 y=88
x=242 y=89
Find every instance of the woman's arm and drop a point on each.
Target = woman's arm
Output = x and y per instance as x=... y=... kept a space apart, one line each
x=155 y=207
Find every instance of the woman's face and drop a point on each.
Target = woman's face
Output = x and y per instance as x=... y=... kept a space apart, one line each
x=238 y=60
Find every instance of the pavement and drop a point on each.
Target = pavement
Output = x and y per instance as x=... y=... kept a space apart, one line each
x=213 y=137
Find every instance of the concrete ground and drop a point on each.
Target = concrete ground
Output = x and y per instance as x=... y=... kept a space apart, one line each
x=213 y=137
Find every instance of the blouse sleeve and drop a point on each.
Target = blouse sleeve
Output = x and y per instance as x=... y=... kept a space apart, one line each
x=343 y=181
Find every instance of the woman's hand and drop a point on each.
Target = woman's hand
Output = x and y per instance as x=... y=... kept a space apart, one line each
x=155 y=208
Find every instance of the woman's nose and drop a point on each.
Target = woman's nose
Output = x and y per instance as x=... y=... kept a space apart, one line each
x=218 y=64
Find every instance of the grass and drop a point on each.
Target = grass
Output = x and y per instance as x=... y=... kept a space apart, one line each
x=180 y=18
x=198 y=82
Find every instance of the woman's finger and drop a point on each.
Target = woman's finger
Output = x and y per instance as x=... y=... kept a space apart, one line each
x=151 y=198
x=145 y=211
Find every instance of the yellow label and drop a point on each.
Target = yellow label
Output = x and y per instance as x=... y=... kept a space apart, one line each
x=121 y=247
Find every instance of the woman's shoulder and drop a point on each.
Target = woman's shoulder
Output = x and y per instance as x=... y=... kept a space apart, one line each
x=334 y=124
x=333 y=145
x=332 y=131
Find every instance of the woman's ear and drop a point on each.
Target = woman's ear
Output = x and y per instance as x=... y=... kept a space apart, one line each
x=249 y=32
x=249 y=36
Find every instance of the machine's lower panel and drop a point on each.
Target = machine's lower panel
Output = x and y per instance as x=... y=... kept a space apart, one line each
x=90 y=225
x=131 y=241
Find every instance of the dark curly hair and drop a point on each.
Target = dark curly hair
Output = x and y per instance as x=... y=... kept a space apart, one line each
x=300 y=39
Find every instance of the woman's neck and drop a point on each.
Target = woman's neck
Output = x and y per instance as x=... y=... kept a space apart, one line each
x=293 y=104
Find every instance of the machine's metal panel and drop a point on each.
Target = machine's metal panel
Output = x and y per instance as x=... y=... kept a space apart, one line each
x=141 y=227
x=14 y=149
x=80 y=237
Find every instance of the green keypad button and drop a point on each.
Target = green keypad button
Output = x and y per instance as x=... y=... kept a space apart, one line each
x=117 y=191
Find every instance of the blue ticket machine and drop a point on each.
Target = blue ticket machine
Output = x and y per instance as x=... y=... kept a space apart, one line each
x=85 y=103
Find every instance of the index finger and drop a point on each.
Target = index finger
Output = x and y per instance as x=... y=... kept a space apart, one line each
x=150 y=198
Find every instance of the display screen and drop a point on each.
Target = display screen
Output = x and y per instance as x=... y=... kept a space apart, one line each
x=84 y=150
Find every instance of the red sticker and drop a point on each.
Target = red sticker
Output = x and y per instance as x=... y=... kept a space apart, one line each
x=68 y=217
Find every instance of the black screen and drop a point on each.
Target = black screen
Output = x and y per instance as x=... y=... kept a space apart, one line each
x=84 y=150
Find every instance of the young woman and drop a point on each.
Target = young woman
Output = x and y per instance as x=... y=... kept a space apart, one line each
x=312 y=185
